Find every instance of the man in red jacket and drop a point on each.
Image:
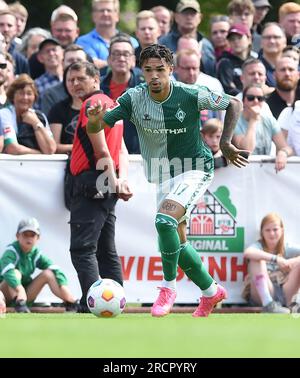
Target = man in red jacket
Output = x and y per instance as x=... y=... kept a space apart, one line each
x=96 y=158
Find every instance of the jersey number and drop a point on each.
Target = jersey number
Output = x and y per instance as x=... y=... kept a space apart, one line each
x=181 y=188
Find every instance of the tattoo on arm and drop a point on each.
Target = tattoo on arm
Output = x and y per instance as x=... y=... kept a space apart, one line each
x=231 y=118
x=168 y=206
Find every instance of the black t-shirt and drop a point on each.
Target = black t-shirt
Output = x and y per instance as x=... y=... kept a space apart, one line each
x=26 y=135
x=277 y=104
x=63 y=113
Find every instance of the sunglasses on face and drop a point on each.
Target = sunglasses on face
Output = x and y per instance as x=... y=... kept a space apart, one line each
x=252 y=98
x=3 y=65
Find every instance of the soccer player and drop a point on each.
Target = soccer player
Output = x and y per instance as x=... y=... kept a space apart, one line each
x=166 y=115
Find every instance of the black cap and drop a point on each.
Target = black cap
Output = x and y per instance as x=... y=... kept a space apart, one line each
x=46 y=41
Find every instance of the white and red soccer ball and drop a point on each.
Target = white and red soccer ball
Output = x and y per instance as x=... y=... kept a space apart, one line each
x=106 y=298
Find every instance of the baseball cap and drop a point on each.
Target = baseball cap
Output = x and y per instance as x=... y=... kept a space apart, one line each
x=240 y=29
x=186 y=4
x=63 y=9
x=261 y=3
x=29 y=224
x=48 y=40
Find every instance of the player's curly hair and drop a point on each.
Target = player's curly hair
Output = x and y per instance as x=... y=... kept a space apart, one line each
x=157 y=51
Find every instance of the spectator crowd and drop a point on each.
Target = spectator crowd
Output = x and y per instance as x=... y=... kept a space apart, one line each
x=255 y=61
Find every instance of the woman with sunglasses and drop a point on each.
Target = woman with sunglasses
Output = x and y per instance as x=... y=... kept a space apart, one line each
x=255 y=130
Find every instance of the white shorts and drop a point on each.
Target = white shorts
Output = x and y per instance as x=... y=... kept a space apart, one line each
x=185 y=189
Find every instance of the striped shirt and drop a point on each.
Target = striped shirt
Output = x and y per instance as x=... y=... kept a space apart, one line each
x=168 y=131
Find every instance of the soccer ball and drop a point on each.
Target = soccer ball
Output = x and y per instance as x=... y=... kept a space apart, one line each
x=106 y=298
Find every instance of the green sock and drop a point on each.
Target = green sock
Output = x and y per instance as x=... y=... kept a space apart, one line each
x=190 y=262
x=169 y=244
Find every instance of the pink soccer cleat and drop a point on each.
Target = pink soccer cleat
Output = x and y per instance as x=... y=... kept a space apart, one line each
x=207 y=304
x=163 y=304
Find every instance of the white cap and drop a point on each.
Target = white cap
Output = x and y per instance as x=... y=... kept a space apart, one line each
x=29 y=224
x=63 y=9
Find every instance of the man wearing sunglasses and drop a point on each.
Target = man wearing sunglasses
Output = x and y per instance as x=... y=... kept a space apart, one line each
x=255 y=130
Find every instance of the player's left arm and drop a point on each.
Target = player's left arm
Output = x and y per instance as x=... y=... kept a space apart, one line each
x=237 y=157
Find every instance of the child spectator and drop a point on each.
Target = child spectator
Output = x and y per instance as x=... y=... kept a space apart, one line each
x=274 y=269
x=211 y=134
x=18 y=263
x=21 y=14
x=230 y=64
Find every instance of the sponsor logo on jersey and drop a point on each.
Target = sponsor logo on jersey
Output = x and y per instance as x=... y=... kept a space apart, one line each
x=180 y=115
x=208 y=166
x=165 y=131
x=7 y=130
x=146 y=117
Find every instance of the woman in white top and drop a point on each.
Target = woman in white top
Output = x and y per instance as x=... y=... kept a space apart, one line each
x=289 y=122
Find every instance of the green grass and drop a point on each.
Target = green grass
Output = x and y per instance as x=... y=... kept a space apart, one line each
x=140 y=335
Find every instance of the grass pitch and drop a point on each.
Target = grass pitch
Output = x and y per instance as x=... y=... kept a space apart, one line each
x=140 y=335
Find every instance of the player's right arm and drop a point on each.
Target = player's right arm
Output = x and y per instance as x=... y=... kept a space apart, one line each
x=99 y=116
x=95 y=114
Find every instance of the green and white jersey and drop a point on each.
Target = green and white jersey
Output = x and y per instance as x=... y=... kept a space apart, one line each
x=169 y=131
x=26 y=263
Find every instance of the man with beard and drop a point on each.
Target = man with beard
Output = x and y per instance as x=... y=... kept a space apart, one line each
x=287 y=90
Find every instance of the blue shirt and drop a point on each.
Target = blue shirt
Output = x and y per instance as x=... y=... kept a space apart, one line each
x=42 y=83
x=94 y=45
x=266 y=128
